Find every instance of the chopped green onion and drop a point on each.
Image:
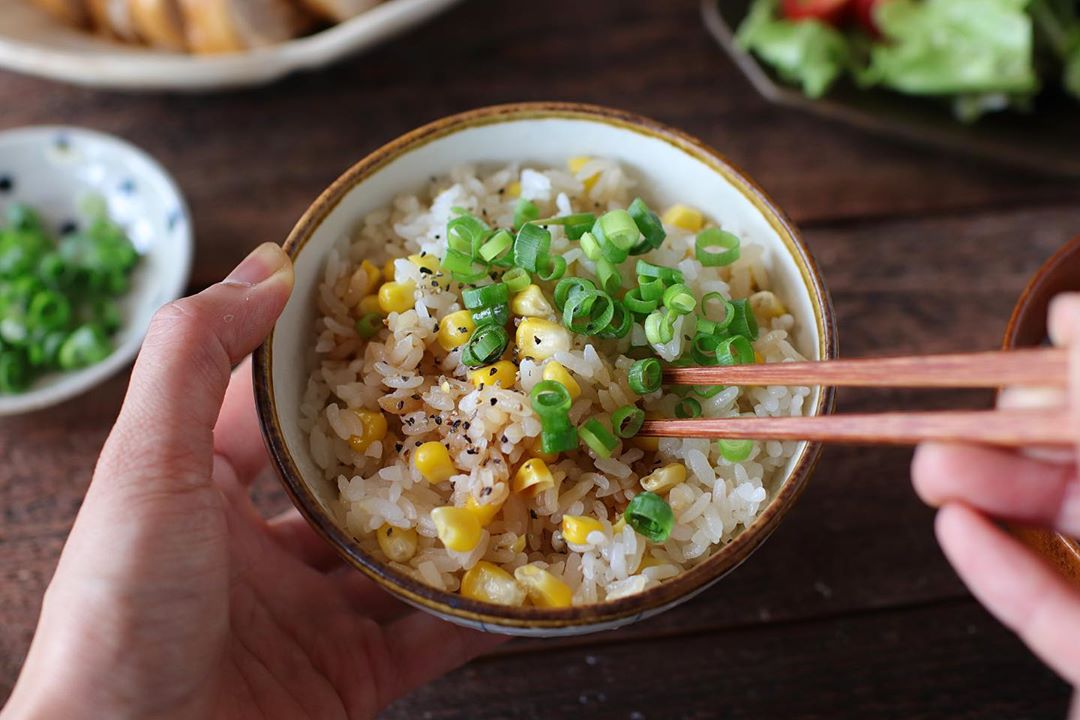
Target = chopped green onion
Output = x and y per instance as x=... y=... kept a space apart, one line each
x=648 y=270
x=735 y=451
x=611 y=252
x=638 y=305
x=707 y=391
x=598 y=438
x=679 y=299
x=710 y=238
x=743 y=321
x=608 y=275
x=368 y=325
x=588 y=312
x=735 y=350
x=567 y=287
x=486 y=345
x=651 y=289
x=621 y=322
x=578 y=224
x=498 y=244
x=590 y=246
x=516 y=279
x=462 y=268
x=466 y=233
x=86 y=346
x=549 y=399
x=650 y=516
x=558 y=437
x=618 y=228
x=532 y=242
x=650 y=226
x=729 y=310
x=486 y=296
x=644 y=376
x=48 y=309
x=550 y=267
x=660 y=327
x=491 y=315
x=703 y=348
x=14 y=372
x=525 y=211
x=627 y=420
x=687 y=407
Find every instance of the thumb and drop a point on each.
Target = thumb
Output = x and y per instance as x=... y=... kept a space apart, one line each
x=165 y=429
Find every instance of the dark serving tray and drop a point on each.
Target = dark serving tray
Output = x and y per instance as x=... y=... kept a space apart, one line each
x=1046 y=140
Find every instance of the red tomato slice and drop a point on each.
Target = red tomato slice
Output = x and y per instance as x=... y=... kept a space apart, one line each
x=828 y=11
x=863 y=10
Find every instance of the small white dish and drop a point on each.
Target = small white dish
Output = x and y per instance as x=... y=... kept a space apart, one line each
x=52 y=169
x=31 y=42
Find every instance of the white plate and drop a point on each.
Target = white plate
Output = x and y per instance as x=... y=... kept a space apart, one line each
x=33 y=43
x=52 y=169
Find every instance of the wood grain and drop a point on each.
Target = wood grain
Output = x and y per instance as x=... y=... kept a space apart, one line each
x=849 y=609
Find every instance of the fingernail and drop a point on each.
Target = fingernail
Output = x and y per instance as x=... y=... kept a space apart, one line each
x=261 y=264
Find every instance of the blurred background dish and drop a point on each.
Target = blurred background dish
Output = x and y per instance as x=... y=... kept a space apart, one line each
x=1043 y=139
x=56 y=170
x=145 y=44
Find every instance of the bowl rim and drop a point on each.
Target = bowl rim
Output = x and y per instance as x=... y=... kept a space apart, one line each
x=76 y=383
x=1060 y=549
x=625 y=609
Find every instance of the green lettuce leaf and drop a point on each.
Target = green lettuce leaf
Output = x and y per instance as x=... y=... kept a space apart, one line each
x=947 y=47
x=806 y=53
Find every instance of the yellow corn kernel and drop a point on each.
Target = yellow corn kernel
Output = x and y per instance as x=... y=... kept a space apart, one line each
x=665 y=478
x=457 y=528
x=518 y=545
x=389 y=271
x=484 y=512
x=544 y=589
x=555 y=371
x=502 y=374
x=373 y=274
x=430 y=263
x=759 y=358
x=649 y=561
x=535 y=450
x=373 y=427
x=396 y=297
x=432 y=459
x=575 y=164
x=532 y=477
x=685 y=217
x=539 y=339
x=514 y=189
x=490 y=583
x=576 y=528
x=399 y=544
x=455 y=330
x=766 y=305
x=531 y=302
x=369 y=304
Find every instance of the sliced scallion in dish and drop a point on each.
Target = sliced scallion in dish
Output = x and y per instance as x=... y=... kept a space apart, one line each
x=599 y=439
x=644 y=376
x=735 y=451
x=487 y=344
x=714 y=247
x=627 y=421
x=650 y=516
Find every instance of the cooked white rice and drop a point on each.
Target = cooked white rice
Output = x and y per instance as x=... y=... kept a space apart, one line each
x=425 y=394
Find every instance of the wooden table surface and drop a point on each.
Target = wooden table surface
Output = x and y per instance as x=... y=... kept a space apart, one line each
x=850 y=609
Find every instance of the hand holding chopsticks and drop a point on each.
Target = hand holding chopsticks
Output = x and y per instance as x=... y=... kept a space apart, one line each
x=1043 y=367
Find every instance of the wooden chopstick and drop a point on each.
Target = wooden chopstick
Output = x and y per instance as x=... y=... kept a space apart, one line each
x=1008 y=428
x=1045 y=367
